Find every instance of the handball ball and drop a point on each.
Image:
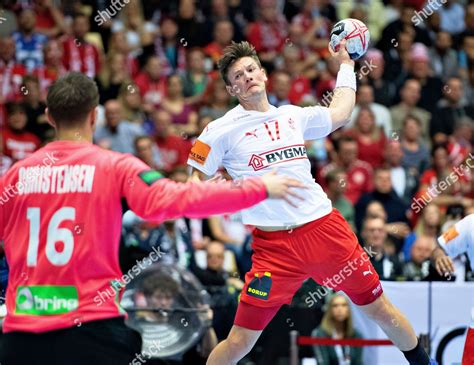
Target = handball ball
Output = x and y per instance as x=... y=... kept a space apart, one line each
x=355 y=33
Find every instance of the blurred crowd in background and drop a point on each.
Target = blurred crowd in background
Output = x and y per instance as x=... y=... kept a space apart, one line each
x=400 y=172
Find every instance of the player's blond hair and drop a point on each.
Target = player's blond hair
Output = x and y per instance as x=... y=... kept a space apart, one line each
x=233 y=53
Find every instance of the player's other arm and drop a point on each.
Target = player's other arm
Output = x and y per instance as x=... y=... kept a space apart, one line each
x=343 y=100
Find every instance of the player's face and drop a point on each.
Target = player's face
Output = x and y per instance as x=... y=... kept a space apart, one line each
x=247 y=80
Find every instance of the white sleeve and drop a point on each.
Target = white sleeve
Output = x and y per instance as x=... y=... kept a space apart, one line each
x=456 y=240
x=315 y=121
x=208 y=151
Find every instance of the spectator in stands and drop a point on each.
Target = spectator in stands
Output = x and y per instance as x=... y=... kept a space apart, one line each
x=29 y=44
x=223 y=32
x=138 y=32
x=468 y=21
x=383 y=91
x=315 y=25
x=118 y=44
x=452 y=17
x=183 y=114
x=223 y=288
x=403 y=24
x=419 y=68
x=449 y=110
x=195 y=79
x=376 y=209
x=52 y=68
x=113 y=76
x=79 y=54
x=370 y=137
x=384 y=193
x=359 y=173
x=281 y=85
x=460 y=142
x=444 y=59
x=49 y=18
x=118 y=134
x=466 y=54
x=151 y=84
x=147 y=151
x=337 y=323
x=365 y=98
x=469 y=83
x=416 y=156
x=418 y=267
x=233 y=12
x=174 y=149
x=35 y=107
x=18 y=143
x=217 y=101
x=131 y=102
x=300 y=85
x=410 y=95
x=170 y=48
x=336 y=186
x=376 y=241
x=397 y=58
x=429 y=225
x=230 y=230
x=443 y=185
x=214 y=274
x=190 y=27
x=404 y=180
x=11 y=72
x=268 y=33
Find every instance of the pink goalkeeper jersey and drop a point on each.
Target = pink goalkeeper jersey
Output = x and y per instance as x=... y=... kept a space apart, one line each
x=60 y=219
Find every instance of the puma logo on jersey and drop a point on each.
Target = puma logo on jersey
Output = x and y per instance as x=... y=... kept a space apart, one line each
x=365 y=273
x=279 y=155
x=254 y=133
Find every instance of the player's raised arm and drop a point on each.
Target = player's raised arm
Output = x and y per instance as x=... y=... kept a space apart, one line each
x=343 y=100
x=155 y=198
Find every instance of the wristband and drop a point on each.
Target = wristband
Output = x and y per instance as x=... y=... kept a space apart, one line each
x=346 y=77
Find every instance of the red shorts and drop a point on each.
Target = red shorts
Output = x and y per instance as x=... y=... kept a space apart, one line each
x=325 y=249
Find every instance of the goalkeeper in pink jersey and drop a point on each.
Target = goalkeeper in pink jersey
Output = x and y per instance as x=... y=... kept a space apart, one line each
x=60 y=220
x=457 y=240
x=290 y=243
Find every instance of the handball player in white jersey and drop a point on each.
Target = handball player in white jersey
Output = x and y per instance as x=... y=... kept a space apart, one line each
x=457 y=240
x=297 y=238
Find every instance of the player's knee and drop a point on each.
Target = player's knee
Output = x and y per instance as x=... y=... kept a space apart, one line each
x=238 y=345
x=381 y=310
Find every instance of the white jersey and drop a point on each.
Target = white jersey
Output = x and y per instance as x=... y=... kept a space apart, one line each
x=459 y=239
x=251 y=143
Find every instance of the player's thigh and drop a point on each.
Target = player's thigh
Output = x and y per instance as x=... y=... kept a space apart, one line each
x=340 y=263
x=276 y=274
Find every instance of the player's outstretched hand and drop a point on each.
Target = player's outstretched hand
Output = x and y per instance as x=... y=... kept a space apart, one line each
x=278 y=187
x=342 y=55
x=444 y=265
